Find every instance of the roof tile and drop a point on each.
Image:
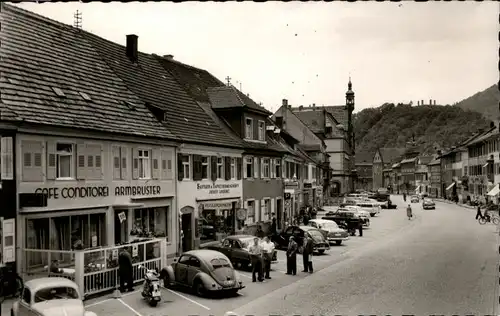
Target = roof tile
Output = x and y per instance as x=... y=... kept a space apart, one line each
x=38 y=55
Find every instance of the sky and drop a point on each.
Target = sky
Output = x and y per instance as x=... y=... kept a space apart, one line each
x=305 y=52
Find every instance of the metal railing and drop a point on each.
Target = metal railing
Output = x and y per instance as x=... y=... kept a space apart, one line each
x=94 y=270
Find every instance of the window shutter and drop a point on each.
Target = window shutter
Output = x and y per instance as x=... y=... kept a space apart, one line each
x=197 y=176
x=213 y=167
x=283 y=169
x=272 y=169
x=116 y=162
x=9 y=240
x=7 y=158
x=166 y=165
x=98 y=163
x=156 y=170
x=256 y=169
x=51 y=160
x=227 y=168
x=239 y=168
x=135 y=163
x=94 y=162
x=180 y=169
x=257 y=210
x=262 y=168
x=273 y=204
x=32 y=161
x=124 y=165
x=81 y=170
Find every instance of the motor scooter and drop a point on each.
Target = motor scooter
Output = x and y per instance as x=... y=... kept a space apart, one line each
x=151 y=286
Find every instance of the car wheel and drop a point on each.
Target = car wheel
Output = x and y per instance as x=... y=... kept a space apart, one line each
x=321 y=251
x=372 y=215
x=166 y=281
x=338 y=242
x=199 y=289
x=153 y=303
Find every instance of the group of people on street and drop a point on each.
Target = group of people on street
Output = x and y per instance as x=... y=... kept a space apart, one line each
x=261 y=259
x=291 y=255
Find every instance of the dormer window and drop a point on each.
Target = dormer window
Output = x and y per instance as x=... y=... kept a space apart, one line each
x=262 y=130
x=248 y=128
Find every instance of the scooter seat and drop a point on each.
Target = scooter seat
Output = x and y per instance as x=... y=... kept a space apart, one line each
x=153 y=278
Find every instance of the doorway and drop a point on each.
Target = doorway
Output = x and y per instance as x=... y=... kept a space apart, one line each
x=121 y=227
x=279 y=211
x=187 y=230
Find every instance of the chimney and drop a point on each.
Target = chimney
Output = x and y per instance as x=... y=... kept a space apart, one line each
x=439 y=152
x=434 y=102
x=284 y=111
x=422 y=102
x=131 y=49
x=301 y=108
x=430 y=101
x=170 y=57
x=314 y=106
x=418 y=102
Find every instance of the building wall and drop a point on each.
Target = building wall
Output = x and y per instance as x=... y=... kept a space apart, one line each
x=204 y=198
x=97 y=183
x=334 y=147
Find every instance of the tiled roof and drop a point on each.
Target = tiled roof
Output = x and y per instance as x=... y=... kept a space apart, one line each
x=408 y=160
x=39 y=54
x=339 y=112
x=230 y=97
x=390 y=155
x=435 y=161
x=484 y=136
x=314 y=119
x=364 y=157
x=153 y=84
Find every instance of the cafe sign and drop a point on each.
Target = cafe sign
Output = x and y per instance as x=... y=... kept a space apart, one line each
x=98 y=191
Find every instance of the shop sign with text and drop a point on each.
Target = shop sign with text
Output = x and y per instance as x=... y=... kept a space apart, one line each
x=98 y=191
x=218 y=188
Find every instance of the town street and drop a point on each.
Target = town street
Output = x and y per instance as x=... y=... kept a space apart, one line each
x=442 y=262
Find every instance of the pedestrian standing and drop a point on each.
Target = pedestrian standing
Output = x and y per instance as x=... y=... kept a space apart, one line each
x=291 y=257
x=409 y=212
x=268 y=248
x=274 y=227
x=125 y=270
x=404 y=196
x=256 y=256
x=307 y=253
x=478 y=213
x=360 y=229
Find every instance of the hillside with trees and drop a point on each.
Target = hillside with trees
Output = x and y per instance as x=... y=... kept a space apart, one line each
x=429 y=126
x=484 y=102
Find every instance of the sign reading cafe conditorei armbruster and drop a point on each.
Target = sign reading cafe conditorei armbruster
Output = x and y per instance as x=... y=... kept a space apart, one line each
x=97 y=191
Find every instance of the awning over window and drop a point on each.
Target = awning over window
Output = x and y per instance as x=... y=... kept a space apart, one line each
x=494 y=191
x=450 y=186
x=417 y=188
x=485 y=165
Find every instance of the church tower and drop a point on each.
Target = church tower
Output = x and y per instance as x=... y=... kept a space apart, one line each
x=349 y=101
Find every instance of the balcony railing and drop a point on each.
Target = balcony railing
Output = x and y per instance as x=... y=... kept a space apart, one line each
x=94 y=270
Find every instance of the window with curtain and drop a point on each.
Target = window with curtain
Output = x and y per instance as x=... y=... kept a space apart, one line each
x=150 y=222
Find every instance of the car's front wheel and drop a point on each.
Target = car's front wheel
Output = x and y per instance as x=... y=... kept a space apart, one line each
x=199 y=289
x=338 y=242
x=322 y=251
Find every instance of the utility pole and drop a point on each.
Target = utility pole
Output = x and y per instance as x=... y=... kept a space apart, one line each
x=77 y=20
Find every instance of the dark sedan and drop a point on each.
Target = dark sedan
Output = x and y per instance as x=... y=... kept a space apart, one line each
x=320 y=244
x=236 y=249
x=204 y=271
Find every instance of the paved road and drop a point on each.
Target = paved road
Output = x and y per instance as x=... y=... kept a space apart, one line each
x=442 y=262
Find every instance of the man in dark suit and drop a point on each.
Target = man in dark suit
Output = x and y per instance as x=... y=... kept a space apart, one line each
x=291 y=257
x=308 y=249
x=125 y=270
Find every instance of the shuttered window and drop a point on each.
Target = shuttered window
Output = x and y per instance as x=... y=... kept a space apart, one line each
x=94 y=166
x=124 y=166
x=7 y=158
x=166 y=165
x=32 y=161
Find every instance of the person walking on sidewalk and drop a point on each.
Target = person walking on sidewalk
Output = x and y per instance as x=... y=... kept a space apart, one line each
x=256 y=255
x=307 y=253
x=478 y=213
x=409 y=212
x=125 y=270
x=404 y=196
x=360 y=229
x=268 y=248
x=291 y=257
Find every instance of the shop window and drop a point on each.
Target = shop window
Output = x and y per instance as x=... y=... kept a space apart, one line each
x=64 y=161
x=151 y=222
x=205 y=167
x=248 y=167
x=216 y=223
x=144 y=164
x=233 y=168
x=220 y=168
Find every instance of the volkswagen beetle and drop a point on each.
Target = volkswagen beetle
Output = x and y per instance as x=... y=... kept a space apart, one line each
x=205 y=271
x=50 y=297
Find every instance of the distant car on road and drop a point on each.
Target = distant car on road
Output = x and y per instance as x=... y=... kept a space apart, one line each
x=332 y=232
x=205 y=271
x=54 y=296
x=414 y=199
x=320 y=244
x=236 y=249
x=428 y=204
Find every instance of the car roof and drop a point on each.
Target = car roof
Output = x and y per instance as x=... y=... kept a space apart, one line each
x=42 y=283
x=307 y=227
x=205 y=254
x=320 y=220
x=241 y=236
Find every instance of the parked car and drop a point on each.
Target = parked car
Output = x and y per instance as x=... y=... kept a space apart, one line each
x=373 y=208
x=428 y=204
x=414 y=199
x=54 y=296
x=251 y=229
x=350 y=212
x=236 y=249
x=320 y=244
x=205 y=271
x=331 y=231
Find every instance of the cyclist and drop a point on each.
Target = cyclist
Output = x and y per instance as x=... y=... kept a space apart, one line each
x=486 y=215
x=409 y=212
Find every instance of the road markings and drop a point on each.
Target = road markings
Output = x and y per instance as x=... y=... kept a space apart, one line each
x=245 y=275
x=111 y=299
x=129 y=307
x=187 y=299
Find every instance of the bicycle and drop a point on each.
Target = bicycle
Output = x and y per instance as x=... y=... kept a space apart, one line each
x=490 y=219
x=11 y=284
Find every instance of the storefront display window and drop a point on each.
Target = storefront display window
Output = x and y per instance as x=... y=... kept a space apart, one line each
x=63 y=233
x=151 y=222
x=217 y=224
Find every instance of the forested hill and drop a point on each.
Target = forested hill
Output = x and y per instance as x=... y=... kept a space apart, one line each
x=484 y=102
x=431 y=125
